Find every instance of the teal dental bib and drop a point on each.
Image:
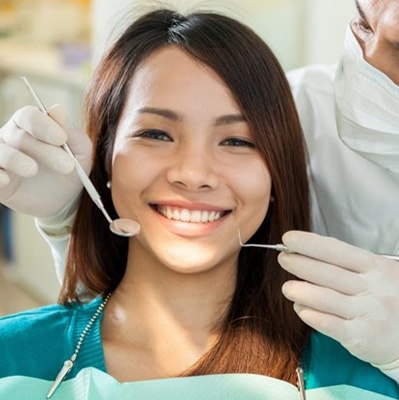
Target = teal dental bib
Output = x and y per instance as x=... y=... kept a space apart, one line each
x=93 y=384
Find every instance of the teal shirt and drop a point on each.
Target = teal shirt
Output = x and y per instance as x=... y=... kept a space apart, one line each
x=36 y=343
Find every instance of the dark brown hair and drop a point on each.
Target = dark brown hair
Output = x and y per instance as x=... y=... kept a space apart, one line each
x=261 y=333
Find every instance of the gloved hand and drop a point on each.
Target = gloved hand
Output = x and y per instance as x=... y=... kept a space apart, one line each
x=37 y=176
x=348 y=293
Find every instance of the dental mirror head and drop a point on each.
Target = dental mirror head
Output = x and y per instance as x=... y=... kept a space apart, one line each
x=122 y=226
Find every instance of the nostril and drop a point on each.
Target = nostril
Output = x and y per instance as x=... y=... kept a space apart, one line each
x=192 y=174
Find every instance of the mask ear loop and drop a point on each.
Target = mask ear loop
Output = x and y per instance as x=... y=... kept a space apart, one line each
x=278 y=247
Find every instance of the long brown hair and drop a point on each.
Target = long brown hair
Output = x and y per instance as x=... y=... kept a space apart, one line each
x=261 y=333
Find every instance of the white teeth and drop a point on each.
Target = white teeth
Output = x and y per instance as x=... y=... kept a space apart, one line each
x=176 y=214
x=169 y=213
x=212 y=216
x=205 y=216
x=195 y=216
x=185 y=215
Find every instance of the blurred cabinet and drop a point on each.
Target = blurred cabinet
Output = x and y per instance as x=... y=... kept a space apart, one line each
x=32 y=267
x=14 y=94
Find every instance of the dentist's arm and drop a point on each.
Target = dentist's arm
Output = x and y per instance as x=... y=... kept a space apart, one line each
x=348 y=293
x=37 y=176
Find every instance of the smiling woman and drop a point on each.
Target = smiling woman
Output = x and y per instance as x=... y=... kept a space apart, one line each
x=193 y=122
x=206 y=177
x=195 y=133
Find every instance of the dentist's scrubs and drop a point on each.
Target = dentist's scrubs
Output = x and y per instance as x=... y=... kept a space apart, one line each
x=350 y=118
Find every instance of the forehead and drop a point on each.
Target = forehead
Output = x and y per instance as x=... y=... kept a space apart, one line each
x=384 y=13
x=170 y=75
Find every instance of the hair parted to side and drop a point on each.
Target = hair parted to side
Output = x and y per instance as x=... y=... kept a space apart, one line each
x=261 y=332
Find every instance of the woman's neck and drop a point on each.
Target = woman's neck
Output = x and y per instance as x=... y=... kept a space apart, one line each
x=168 y=314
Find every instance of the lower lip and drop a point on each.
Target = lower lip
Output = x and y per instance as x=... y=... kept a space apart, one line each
x=190 y=229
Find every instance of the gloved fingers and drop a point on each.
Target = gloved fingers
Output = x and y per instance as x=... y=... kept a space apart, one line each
x=323 y=274
x=31 y=149
x=15 y=162
x=323 y=299
x=4 y=178
x=77 y=141
x=39 y=125
x=328 y=324
x=330 y=250
x=57 y=113
x=357 y=336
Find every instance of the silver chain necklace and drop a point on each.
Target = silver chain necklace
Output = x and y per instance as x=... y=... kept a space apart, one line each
x=68 y=364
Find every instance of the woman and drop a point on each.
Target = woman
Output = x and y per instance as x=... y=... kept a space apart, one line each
x=195 y=132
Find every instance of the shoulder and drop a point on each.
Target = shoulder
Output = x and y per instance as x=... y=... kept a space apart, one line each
x=36 y=342
x=328 y=363
x=319 y=78
x=313 y=91
x=31 y=325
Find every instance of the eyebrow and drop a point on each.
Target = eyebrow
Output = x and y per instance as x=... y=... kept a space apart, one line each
x=174 y=116
x=229 y=119
x=361 y=11
x=163 y=112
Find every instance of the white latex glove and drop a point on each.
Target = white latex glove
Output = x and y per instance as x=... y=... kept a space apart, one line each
x=348 y=293
x=37 y=176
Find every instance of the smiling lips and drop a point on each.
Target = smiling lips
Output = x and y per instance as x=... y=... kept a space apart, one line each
x=186 y=215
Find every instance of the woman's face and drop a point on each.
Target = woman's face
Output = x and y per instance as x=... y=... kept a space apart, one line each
x=185 y=166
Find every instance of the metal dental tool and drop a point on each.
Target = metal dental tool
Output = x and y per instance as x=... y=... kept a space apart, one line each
x=277 y=247
x=121 y=226
x=390 y=256
x=283 y=248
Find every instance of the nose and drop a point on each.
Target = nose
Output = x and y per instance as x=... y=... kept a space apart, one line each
x=376 y=53
x=193 y=168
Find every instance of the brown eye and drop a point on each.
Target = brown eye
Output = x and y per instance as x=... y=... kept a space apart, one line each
x=362 y=30
x=154 y=134
x=238 y=142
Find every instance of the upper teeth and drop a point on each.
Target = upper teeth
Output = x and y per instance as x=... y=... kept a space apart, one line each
x=185 y=215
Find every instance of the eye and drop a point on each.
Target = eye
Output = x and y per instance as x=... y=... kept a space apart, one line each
x=154 y=134
x=237 y=142
x=363 y=29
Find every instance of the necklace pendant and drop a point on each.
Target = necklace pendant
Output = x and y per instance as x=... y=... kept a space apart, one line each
x=68 y=364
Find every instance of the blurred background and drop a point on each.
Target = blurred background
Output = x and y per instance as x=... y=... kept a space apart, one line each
x=57 y=43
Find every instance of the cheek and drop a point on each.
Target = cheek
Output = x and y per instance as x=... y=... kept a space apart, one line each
x=255 y=187
x=128 y=180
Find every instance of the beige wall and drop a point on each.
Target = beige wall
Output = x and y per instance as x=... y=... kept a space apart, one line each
x=299 y=31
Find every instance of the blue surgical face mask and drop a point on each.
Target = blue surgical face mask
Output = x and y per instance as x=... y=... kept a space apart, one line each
x=367 y=108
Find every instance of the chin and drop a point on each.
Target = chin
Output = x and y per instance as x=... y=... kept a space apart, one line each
x=196 y=261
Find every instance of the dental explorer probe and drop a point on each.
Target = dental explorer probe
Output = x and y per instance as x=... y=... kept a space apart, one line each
x=278 y=247
x=283 y=248
x=121 y=226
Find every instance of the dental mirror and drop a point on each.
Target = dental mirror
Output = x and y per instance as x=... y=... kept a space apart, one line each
x=122 y=226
